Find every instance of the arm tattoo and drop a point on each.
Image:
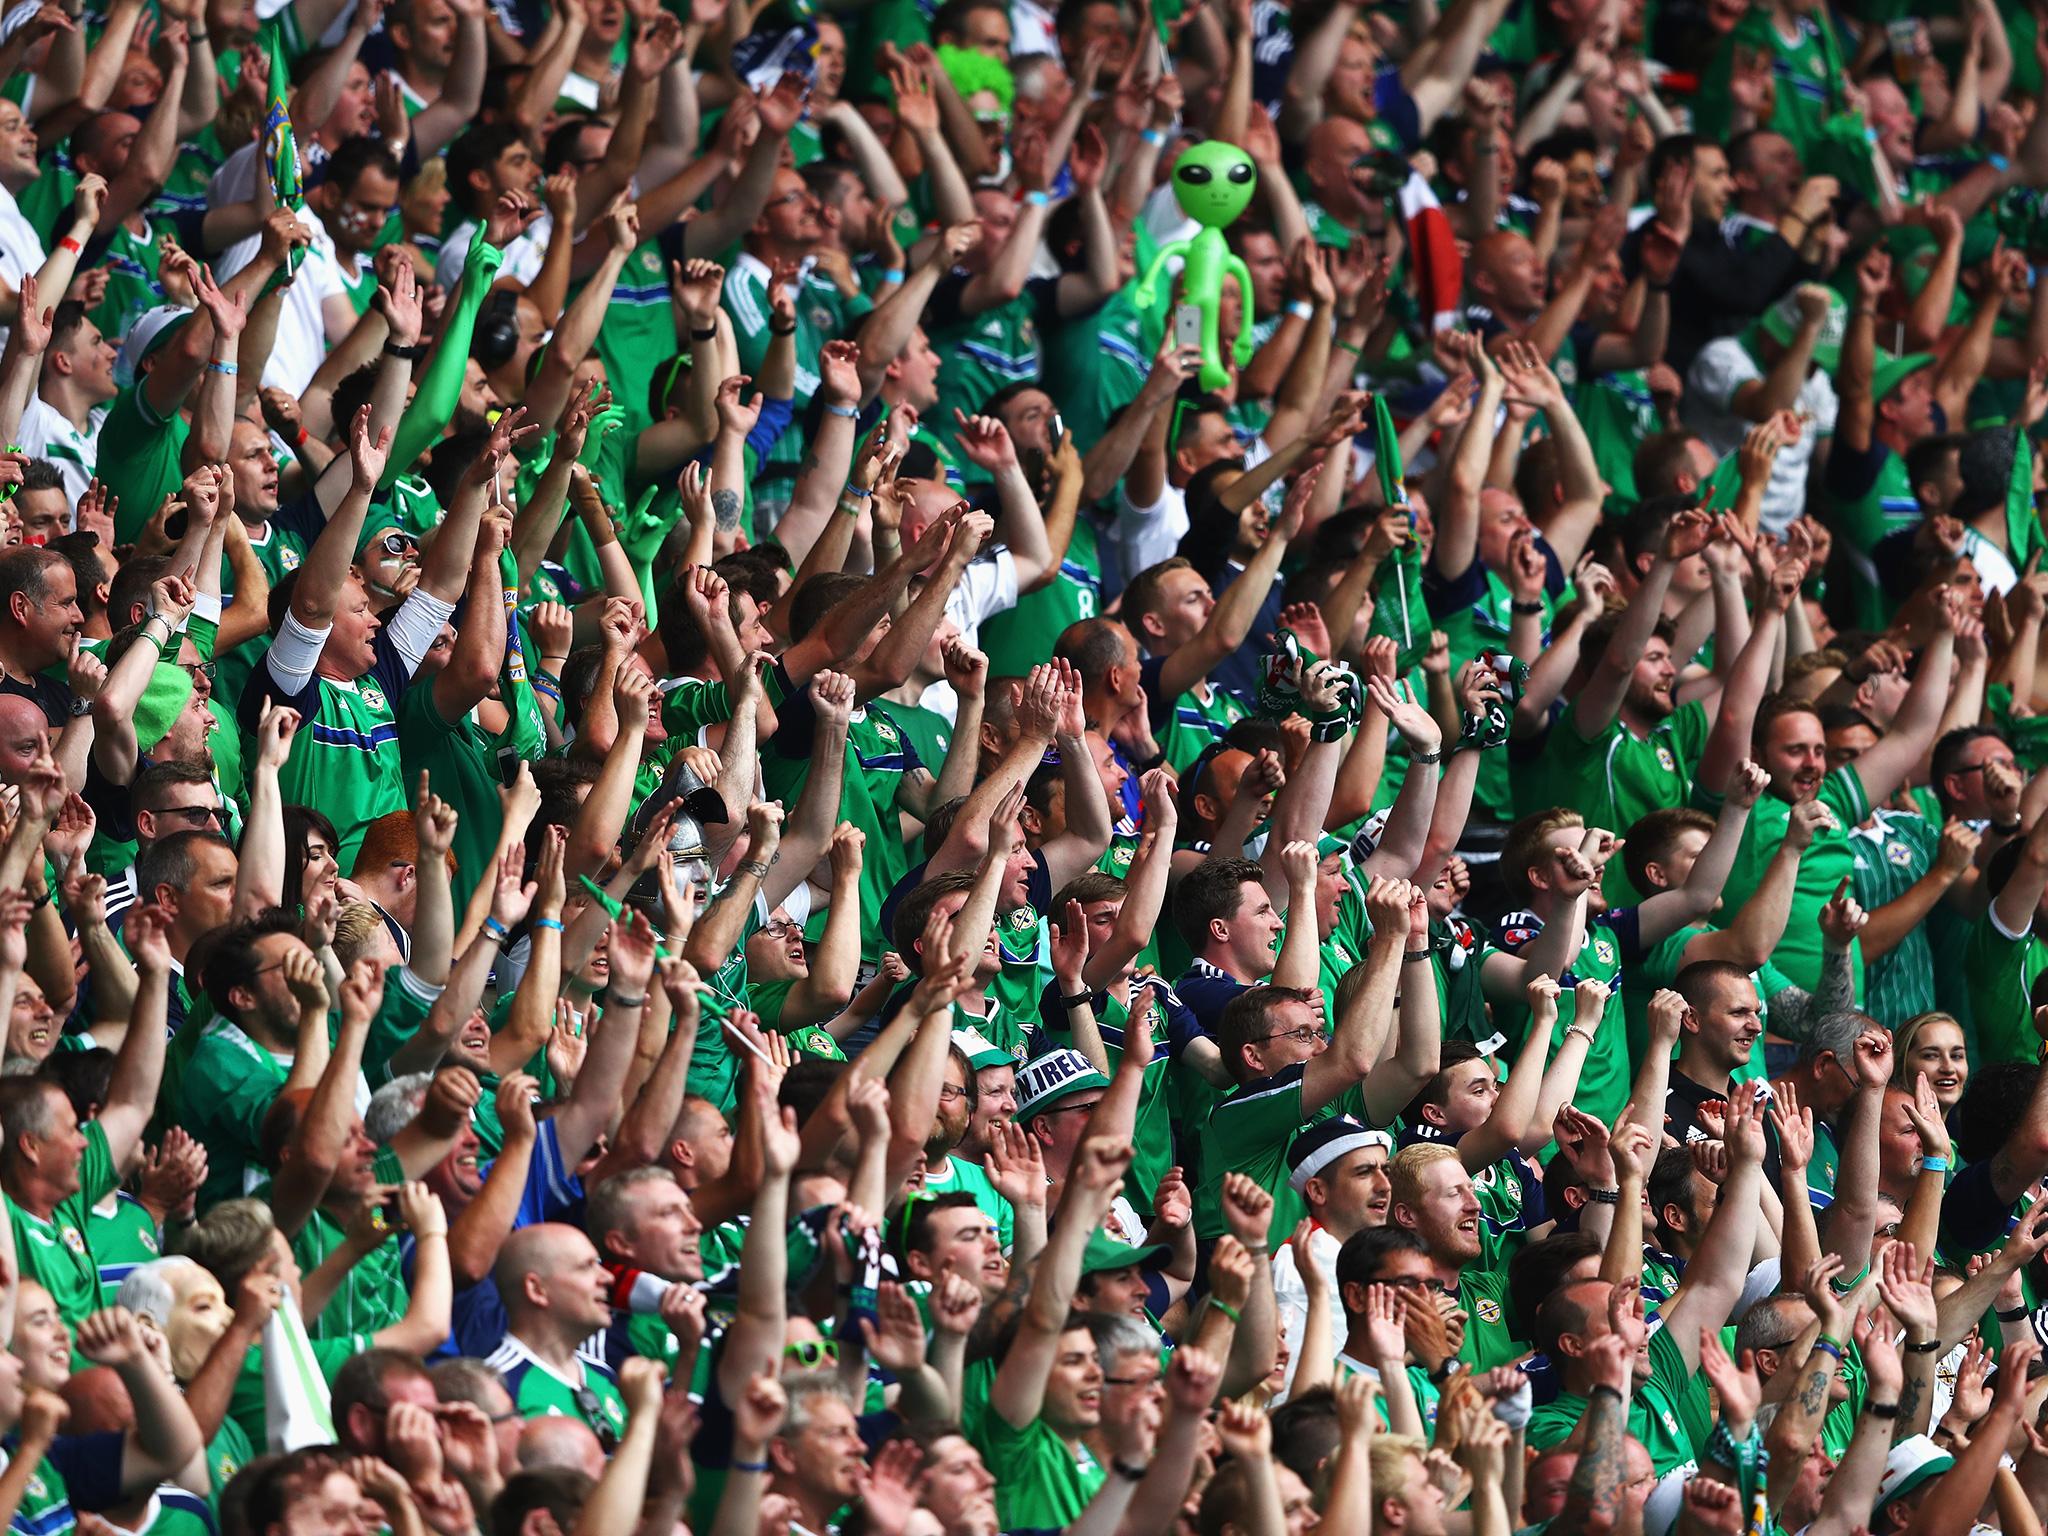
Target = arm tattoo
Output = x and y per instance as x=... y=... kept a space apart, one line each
x=1909 y=1407
x=1593 y=1499
x=1837 y=989
x=1813 y=1392
x=725 y=510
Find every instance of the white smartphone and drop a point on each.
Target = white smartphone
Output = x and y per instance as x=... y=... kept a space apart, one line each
x=1187 y=325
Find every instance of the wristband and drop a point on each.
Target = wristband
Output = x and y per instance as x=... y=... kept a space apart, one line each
x=1882 y=1410
x=301 y=439
x=2008 y=829
x=2010 y=1314
x=1925 y=1347
x=1227 y=1310
x=196 y=37
x=411 y=354
x=893 y=275
x=706 y=334
x=1601 y=1386
x=553 y=923
x=1414 y=956
x=781 y=330
x=1256 y=1250
x=1425 y=758
x=860 y=491
x=1604 y=1196
x=1153 y=137
x=846 y=412
x=1830 y=1345
x=746 y=1466
x=1354 y=350
x=1301 y=309
x=1122 y=1469
x=1037 y=199
x=497 y=930
x=620 y=1000
x=68 y=243
x=1521 y=607
x=1446 y=1371
x=1934 y=1165
x=216 y=366
x=1998 y=162
x=1078 y=1000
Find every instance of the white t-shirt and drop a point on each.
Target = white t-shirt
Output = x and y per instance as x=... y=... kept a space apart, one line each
x=21 y=249
x=1724 y=366
x=300 y=346
x=986 y=588
x=46 y=434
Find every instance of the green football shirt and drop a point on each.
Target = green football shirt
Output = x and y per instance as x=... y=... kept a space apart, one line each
x=2002 y=968
x=1043 y=1481
x=54 y=1251
x=1829 y=861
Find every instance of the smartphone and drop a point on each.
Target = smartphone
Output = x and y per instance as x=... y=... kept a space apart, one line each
x=1058 y=428
x=1187 y=326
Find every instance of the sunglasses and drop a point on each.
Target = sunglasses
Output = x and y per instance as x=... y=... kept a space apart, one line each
x=588 y=1404
x=811 y=1353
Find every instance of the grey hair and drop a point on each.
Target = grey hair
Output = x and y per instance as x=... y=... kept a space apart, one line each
x=611 y=1204
x=1117 y=1334
x=804 y=1388
x=1835 y=1032
x=147 y=1289
x=20 y=1066
x=394 y=1106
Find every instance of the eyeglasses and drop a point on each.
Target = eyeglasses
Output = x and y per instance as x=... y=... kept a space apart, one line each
x=782 y=930
x=811 y=1353
x=1131 y=1381
x=193 y=813
x=199 y=669
x=1068 y=1109
x=1301 y=1034
x=588 y=1404
x=948 y=1093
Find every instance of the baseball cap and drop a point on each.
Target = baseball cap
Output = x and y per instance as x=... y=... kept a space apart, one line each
x=1781 y=324
x=1327 y=1140
x=1044 y=1080
x=1912 y=1462
x=1106 y=1253
x=152 y=329
x=1890 y=372
x=980 y=1051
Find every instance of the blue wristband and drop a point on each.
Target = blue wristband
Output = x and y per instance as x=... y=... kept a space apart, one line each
x=218 y=367
x=855 y=490
x=548 y=922
x=893 y=275
x=1998 y=162
x=496 y=929
x=843 y=410
x=1153 y=137
x=1037 y=199
x=1934 y=1165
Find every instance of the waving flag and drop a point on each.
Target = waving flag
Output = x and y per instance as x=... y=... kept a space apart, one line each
x=280 y=144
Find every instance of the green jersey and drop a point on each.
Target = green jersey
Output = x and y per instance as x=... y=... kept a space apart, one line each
x=982 y=353
x=1250 y=1130
x=537 y=1392
x=122 y=1236
x=1015 y=639
x=1101 y=367
x=822 y=314
x=638 y=334
x=345 y=758
x=145 y=466
x=1604 y=1078
x=1827 y=862
x=373 y=1295
x=54 y=1251
x=1043 y=1481
x=2002 y=967
x=929 y=733
x=1617 y=777
x=1483 y=1297
x=227 y=1088
x=1670 y=1413
x=1618 y=412
x=1886 y=507
x=461 y=763
x=1892 y=852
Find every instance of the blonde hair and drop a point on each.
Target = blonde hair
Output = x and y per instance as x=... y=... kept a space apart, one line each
x=1390 y=1464
x=1525 y=843
x=1908 y=1036
x=1405 y=1172
x=354 y=927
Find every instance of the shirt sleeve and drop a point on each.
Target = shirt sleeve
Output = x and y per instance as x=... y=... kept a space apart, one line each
x=294 y=654
x=1721 y=368
x=91 y=1468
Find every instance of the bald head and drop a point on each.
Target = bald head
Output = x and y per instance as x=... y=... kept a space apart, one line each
x=544 y=1249
x=560 y=1442
x=553 y=1284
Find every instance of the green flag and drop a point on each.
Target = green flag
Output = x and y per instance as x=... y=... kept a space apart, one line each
x=2022 y=523
x=280 y=144
x=1400 y=611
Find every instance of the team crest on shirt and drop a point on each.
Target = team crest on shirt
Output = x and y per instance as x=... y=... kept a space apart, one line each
x=650 y=261
x=288 y=558
x=37 y=1488
x=1898 y=853
x=821 y=319
x=1488 y=1310
x=1665 y=760
x=884 y=729
x=373 y=696
x=1603 y=951
x=1021 y=919
x=148 y=1240
x=73 y=1239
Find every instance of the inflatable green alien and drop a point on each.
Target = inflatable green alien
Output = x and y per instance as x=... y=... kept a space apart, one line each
x=1213 y=182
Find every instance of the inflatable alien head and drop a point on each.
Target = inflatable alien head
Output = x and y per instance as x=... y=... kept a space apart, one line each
x=1214 y=182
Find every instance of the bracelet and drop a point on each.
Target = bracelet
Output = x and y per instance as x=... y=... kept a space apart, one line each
x=1925 y=1347
x=1520 y=607
x=753 y=867
x=860 y=491
x=301 y=440
x=2011 y=1314
x=893 y=275
x=216 y=366
x=1301 y=309
x=411 y=354
x=196 y=37
x=1227 y=1310
x=1882 y=1410
x=2011 y=829
x=1604 y=1196
x=71 y=245
x=497 y=930
x=1124 y=1470
x=1582 y=1032
x=1998 y=162
x=553 y=923
x=781 y=330
x=620 y=1000
x=1934 y=1165
x=1353 y=349
x=1425 y=758
x=145 y=636
x=1257 y=1250
x=1607 y=1387
x=1414 y=956
x=706 y=334
x=1832 y=1346
x=1037 y=199
x=1152 y=136
x=846 y=412
x=746 y=1466
x=1078 y=1000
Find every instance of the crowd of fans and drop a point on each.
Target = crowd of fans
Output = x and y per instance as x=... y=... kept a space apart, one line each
x=751 y=780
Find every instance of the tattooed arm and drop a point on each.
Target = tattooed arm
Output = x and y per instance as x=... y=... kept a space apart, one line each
x=1592 y=1502
x=1794 y=1009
